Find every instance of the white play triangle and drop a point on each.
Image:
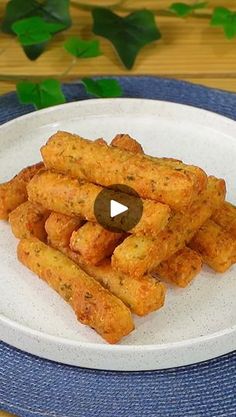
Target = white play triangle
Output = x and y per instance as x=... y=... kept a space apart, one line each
x=117 y=208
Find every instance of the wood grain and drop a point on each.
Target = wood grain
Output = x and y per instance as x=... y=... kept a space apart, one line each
x=190 y=49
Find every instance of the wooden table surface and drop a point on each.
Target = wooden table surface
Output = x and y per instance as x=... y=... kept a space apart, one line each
x=190 y=50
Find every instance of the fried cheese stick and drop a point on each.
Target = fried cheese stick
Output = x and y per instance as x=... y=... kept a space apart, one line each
x=216 y=246
x=181 y=268
x=93 y=304
x=61 y=228
x=124 y=141
x=140 y=254
x=94 y=242
x=143 y=295
x=106 y=165
x=225 y=217
x=13 y=193
x=62 y=194
x=28 y=220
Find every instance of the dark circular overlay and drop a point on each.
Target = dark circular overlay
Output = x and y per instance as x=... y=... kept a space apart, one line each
x=122 y=194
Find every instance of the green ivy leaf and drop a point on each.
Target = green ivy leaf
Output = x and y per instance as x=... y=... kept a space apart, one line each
x=184 y=9
x=45 y=94
x=35 y=30
x=54 y=11
x=81 y=48
x=105 y=88
x=226 y=19
x=181 y=9
x=128 y=34
x=34 y=51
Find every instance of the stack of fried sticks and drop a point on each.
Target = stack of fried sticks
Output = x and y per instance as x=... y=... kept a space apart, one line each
x=105 y=275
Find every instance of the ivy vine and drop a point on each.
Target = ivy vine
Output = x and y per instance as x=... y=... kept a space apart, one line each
x=35 y=22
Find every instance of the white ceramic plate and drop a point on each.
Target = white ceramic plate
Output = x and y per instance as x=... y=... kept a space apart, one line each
x=196 y=323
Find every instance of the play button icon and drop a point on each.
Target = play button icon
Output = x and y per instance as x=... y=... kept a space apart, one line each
x=118 y=208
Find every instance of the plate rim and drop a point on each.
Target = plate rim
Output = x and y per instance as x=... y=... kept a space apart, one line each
x=96 y=346
x=188 y=342
x=51 y=109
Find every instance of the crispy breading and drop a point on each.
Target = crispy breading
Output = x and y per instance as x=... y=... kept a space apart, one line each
x=225 y=217
x=181 y=268
x=81 y=158
x=142 y=295
x=13 y=193
x=101 y=141
x=62 y=194
x=140 y=254
x=60 y=227
x=28 y=220
x=94 y=242
x=124 y=141
x=93 y=305
x=184 y=265
x=155 y=217
x=216 y=246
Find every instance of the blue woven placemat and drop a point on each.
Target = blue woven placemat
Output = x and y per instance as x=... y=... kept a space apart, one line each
x=30 y=386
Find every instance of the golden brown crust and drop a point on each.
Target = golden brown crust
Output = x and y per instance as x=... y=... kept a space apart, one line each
x=62 y=194
x=101 y=141
x=155 y=216
x=60 y=227
x=184 y=265
x=216 y=246
x=140 y=254
x=94 y=242
x=124 y=141
x=181 y=268
x=142 y=295
x=93 y=304
x=13 y=193
x=180 y=205
x=225 y=217
x=28 y=220
x=105 y=165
